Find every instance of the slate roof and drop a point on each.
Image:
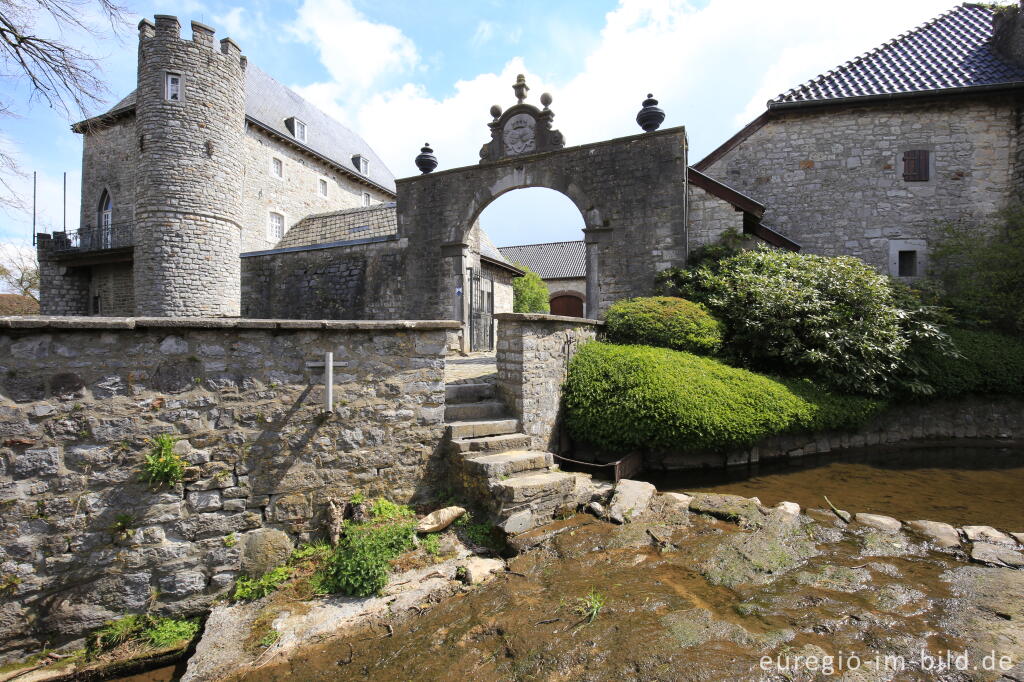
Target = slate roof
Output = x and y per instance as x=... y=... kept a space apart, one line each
x=557 y=260
x=269 y=103
x=489 y=250
x=351 y=224
x=951 y=51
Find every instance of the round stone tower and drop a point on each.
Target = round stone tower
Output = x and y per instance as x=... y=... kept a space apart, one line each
x=190 y=121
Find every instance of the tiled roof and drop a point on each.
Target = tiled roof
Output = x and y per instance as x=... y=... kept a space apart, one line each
x=341 y=226
x=558 y=260
x=270 y=103
x=489 y=250
x=951 y=51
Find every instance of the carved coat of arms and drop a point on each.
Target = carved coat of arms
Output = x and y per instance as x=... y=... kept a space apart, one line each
x=519 y=135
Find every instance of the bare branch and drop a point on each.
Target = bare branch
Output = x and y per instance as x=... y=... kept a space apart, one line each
x=19 y=271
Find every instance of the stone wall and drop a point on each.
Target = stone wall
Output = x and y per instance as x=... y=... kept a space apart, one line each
x=631 y=192
x=84 y=540
x=296 y=195
x=63 y=290
x=710 y=217
x=112 y=284
x=109 y=155
x=831 y=178
x=358 y=281
x=533 y=358
x=970 y=418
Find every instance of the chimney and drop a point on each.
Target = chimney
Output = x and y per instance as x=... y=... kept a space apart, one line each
x=1008 y=33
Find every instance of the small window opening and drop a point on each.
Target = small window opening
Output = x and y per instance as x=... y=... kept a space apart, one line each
x=277 y=167
x=361 y=163
x=276 y=225
x=322 y=186
x=915 y=165
x=300 y=130
x=172 y=87
x=366 y=198
x=106 y=212
x=907 y=264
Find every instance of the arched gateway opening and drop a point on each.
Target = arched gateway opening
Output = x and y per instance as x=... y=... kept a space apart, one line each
x=631 y=193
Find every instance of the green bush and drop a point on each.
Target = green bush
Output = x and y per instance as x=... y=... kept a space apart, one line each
x=832 y=319
x=165 y=632
x=361 y=564
x=163 y=466
x=977 y=270
x=621 y=398
x=665 y=322
x=247 y=588
x=989 y=363
x=529 y=293
x=145 y=629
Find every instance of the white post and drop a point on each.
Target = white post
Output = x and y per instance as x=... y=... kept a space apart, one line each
x=329 y=382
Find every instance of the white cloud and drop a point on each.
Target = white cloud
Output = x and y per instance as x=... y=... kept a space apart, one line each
x=235 y=22
x=483 y=34
x=712 y=68
x=357 y=52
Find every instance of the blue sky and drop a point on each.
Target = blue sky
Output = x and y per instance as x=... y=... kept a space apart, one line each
x=401 y=73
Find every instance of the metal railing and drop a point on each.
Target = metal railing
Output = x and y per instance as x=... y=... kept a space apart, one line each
x=115 y=236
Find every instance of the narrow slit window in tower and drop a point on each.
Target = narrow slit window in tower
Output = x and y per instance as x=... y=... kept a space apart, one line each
x=172 y=87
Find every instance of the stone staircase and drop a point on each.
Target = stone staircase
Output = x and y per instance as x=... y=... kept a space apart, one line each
x=491 y=461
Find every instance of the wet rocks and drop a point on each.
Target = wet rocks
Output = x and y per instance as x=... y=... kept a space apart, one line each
x=630 y=500
x=886 y=523
x=774 y=548
x=679 y=498
x=732 y=508
x=789 y=508
x=996 y=555
x=939 y=534
x=479 y=570
x=988 y=534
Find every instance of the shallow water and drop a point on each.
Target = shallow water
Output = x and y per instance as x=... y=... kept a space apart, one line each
x=981 y=484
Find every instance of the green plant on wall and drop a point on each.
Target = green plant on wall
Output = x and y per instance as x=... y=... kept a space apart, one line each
x=163 y=466
x=529 y=293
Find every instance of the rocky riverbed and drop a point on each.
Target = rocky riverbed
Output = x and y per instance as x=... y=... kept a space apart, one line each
x=708 y=587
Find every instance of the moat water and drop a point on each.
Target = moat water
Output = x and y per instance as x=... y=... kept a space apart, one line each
x=980 y=484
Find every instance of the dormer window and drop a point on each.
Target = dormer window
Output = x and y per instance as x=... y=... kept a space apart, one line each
x=172 y=87
x=297 y=128
x=361 y=163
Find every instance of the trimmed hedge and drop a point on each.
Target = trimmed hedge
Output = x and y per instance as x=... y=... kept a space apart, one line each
x=620 y=398
x=991 y=364
x=666 y=322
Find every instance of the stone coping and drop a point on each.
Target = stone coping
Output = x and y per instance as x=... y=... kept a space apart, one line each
x=539 y=317
x=41 y=322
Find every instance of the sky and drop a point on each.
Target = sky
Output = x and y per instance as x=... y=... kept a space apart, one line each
x=401 y=73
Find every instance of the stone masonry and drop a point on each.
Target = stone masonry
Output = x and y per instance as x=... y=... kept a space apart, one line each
x=83 y=539
x=831 y=178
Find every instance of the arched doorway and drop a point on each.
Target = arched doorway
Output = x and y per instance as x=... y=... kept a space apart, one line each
x=567 y=304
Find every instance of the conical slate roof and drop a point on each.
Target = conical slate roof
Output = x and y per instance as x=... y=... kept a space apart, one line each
x=951 y=51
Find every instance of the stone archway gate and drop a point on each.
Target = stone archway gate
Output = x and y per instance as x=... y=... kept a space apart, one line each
x=631 y=191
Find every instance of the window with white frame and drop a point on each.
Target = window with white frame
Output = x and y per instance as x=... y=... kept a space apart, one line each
x=361 y=163
x=275 y=226
x=300 y=130
x=321 y=187
x=172 y=86
x=276 y=167
x=366 y=198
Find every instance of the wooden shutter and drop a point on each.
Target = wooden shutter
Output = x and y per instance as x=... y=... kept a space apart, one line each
x=915 y=165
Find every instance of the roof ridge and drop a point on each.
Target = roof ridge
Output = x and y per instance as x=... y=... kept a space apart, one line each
x=567 y=241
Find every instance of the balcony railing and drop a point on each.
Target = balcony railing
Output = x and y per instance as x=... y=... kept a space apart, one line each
x=116 y=236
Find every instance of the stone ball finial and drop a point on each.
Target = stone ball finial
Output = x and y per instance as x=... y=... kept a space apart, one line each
x=650 y=117
x=426 y=161
x=495 y=111
x=546 y=100
x=521 y=88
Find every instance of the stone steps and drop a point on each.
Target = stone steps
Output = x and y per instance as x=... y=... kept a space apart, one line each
x=544 y=486
x=485 y=409
x=468 y=393
x=504 y=464
x=481 y=427
x=503 y=443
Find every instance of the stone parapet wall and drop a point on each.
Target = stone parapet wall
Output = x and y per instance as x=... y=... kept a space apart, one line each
x=84 y=540
x=971 y=418
x=533 y=357
x=353 y=281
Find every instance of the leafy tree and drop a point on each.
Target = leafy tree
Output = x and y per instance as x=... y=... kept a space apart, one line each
x=19 y=272
x=529 y=293
x=977 y=270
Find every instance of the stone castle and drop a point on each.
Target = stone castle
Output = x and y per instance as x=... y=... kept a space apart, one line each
x=212 y=190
